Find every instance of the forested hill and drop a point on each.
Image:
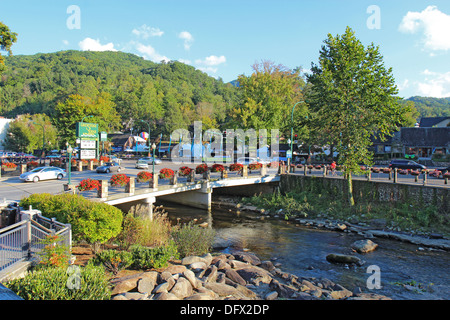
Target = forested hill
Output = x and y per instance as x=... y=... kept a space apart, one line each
x=431 y=107
x=169 y=94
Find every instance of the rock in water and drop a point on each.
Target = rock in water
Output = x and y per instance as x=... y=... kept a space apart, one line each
x=342 y=258
x=364 y=246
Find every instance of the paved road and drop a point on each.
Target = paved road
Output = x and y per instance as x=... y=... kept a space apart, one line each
x=12 y=189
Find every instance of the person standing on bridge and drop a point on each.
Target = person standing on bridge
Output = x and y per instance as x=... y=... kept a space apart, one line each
x=333 y=167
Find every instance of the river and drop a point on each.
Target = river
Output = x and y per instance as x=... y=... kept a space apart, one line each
x=302 y=251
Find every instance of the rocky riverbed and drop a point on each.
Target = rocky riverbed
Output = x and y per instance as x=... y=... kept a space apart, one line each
x=232 y=276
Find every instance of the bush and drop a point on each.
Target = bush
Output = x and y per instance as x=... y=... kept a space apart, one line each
x=166 y=173
x=184 y=171
x=217 y=168
x=201 y=168
x=144 y=176
x=53 y=254
x=93 y=222
x=88 y=184
x=192 y=239
x=56 y=284
x=137 y=229
x=119 y=180
x=156 y=257
x=114 y=260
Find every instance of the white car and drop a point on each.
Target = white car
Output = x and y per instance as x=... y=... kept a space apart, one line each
x=43 y=173
x=141 y=164
x=116 y=159
x=149 y=160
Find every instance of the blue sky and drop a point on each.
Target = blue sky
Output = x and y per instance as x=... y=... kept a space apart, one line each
x=225 y=38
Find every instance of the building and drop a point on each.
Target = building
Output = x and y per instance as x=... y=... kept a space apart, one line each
x=434 y=122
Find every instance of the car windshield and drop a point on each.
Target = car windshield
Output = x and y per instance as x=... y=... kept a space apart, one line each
x=37 y=169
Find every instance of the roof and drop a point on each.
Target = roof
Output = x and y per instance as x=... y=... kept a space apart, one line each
x=425 y=137
x=429 y=122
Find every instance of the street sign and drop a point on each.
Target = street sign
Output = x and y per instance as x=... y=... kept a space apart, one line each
x=87 y=154
x=88 y=144
x=288 y=154
x=87 y=130
x=103 y=136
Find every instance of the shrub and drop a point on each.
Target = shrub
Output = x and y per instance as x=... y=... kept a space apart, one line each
x=255 y=166
x=217 y=167
x=184 y=171
x=166 y=173
x=88 y=184
x=201 y=168
x=114 y=260
x=93 y=222
x=144 y=176
x=53 y=254
x=119 y=180
x=137 y=229
x=192 y=239
x=56 y=284
x=156 y=257
x=32 y=165
x=236 y=167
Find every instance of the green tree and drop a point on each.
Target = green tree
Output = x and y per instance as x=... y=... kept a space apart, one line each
x=267 y=97
x=7 y=39
x=354 y=97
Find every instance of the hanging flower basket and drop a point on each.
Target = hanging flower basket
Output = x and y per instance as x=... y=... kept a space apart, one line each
x=318 y=167
x=375 y=170
x=217 y=168
x=435 y=173
x=255 y=166
x=415 y=173
x=300 y=166
x=104 y=159
x=386 y=170
x=55 y=163
x=88 y=185
x=184 y=171
x=236 y=167
x=32 y=165
x=166 y=173
x=144 y=176
x=201 y=168
x=9 y=166
x=446 y=175
x=403 y=172
x=119 y=180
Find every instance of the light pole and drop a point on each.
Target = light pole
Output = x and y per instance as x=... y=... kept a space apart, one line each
x=154 y=149
x=69 y=167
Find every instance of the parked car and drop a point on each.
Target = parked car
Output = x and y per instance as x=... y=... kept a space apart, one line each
x=43 y=173
x=109 y=167
x=149 y=160
x=406 y=164
x=141 y=164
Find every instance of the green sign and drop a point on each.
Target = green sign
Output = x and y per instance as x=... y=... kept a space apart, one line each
x=87 y=130
x=103 y=136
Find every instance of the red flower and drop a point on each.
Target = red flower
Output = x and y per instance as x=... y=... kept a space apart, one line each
x=88 y=184
x=236 y=167
x=201 y=168
x=119 y=179
x=217 y=168
x=144 y=176
x=184 y=171
x=166 y=173
x=255 y=166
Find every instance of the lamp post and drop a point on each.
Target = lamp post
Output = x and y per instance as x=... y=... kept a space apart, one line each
x=154 y=149
x=69 y=167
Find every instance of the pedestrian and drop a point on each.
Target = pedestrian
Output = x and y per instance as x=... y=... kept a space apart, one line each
x=333 y=168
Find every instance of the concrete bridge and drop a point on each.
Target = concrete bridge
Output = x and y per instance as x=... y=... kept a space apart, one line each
x=190 y=191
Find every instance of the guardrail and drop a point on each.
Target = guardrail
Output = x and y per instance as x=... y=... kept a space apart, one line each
x=22 y=240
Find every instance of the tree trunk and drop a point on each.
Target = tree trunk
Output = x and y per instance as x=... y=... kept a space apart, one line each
x=351 y=200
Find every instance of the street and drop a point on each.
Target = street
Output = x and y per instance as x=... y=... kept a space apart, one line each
x=12 y=189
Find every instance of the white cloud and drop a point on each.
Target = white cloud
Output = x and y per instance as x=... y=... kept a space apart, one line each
x=65 y=42
x=403 y=85
x=150 y=53
x=145 y=32
x=435 y=25
x=188 y=39
x=211 y=61
x=89 y=44
x=435 y=84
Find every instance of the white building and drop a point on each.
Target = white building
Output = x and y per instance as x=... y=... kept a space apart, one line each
x=4 y=125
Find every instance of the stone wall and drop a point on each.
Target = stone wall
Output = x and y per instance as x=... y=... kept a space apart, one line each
x=373 y=191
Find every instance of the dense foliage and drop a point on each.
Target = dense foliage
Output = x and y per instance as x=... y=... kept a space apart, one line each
x=168 y=95
x=431 y=107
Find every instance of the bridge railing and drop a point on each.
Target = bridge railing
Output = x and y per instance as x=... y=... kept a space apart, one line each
x=105 y=189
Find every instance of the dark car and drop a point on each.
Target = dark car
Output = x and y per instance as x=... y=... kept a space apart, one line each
x=109 y=167
x=406 y=164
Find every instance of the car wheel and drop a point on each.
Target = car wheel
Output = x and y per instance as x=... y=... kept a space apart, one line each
x=36 y=179
x=60 y=176
x=119 y=169
x=107 y=170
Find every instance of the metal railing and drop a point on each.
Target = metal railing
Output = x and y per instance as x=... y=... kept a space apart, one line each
x=21 y=241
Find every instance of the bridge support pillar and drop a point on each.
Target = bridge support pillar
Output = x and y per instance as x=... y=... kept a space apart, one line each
x=200 y=198
x=149 y=202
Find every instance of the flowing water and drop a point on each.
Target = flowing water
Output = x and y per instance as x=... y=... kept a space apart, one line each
x=302 y=251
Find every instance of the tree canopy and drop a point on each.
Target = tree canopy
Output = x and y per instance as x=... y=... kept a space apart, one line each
x=353 y=97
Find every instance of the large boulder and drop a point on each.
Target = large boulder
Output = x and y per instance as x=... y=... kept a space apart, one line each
x=364 y=246
x=346 y=259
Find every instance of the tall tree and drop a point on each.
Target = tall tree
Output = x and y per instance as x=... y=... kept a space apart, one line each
x=353 y=96
x=7 y=38
x=267 y=97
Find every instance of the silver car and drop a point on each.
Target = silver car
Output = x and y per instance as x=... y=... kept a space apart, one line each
x=150 y=160
x=43 y=173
